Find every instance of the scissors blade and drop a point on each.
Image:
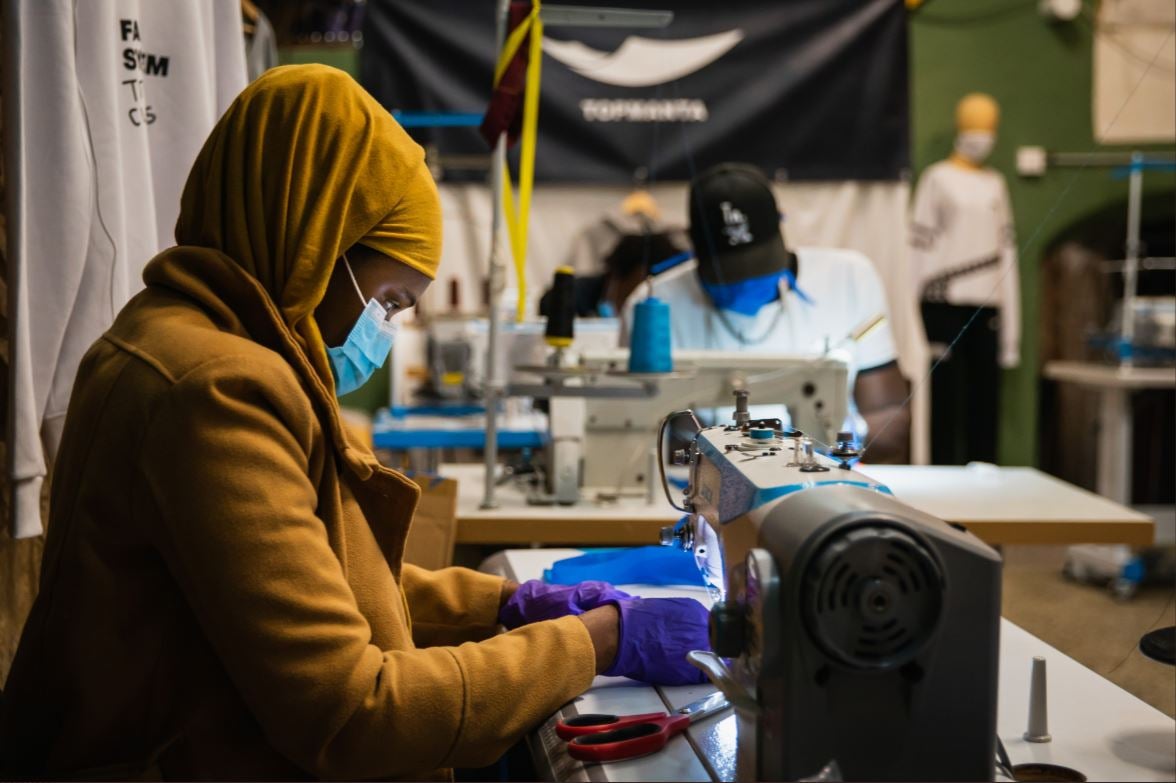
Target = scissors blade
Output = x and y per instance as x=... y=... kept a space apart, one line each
x=705 y=707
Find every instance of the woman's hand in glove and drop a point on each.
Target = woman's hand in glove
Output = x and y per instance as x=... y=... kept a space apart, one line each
x=535 y=600
x=655 y=635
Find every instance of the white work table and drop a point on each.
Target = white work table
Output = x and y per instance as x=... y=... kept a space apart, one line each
x=1098 y=728
x=1114 y=383
x=1001 y=505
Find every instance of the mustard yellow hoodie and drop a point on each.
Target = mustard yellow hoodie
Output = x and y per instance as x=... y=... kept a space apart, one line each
x=222 y=592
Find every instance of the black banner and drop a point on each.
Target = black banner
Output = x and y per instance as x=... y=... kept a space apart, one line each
x=805 y=89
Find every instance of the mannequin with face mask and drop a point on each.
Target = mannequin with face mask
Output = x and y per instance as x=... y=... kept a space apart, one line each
x=977 y=118
x=964 y=257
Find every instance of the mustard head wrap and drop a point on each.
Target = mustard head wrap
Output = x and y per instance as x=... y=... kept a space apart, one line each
x=304 y=164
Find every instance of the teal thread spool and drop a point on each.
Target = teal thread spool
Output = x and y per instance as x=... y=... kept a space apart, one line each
x=649 y=347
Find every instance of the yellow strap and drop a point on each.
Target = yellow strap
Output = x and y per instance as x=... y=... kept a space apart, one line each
x=513 y=41
x=518 y=221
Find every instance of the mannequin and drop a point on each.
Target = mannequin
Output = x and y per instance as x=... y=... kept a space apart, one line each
x=964 y=259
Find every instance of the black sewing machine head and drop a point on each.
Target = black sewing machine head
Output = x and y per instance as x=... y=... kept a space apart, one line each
x=860 y=631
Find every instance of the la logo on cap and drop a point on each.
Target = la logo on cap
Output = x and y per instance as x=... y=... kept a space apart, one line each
x=736 y=227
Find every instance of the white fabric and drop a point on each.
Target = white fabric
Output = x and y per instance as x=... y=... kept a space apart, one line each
x=261 y=48
x=107 y=103
x=870 y=217
x=960 y=217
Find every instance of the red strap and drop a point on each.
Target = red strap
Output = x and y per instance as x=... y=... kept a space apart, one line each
x=505 y=112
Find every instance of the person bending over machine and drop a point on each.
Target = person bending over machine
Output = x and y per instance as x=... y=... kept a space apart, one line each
x=746 y=291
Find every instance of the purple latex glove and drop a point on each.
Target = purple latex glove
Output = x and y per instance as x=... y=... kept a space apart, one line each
x=655 y=635
x=536 y=600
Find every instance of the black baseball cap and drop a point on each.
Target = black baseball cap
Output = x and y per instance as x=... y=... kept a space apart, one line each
x=735 y=224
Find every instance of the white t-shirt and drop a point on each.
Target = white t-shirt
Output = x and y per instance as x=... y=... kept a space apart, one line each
x=963 y=249
x=844 y=292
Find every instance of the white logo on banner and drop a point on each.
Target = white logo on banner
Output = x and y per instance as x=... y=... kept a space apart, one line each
x=737 y=229
x=643 y=62
x=629 y=110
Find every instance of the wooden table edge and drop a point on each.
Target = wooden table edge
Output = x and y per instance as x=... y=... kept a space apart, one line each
x=631 y=531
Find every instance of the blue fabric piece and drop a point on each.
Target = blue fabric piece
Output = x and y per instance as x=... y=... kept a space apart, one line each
x=647 y=565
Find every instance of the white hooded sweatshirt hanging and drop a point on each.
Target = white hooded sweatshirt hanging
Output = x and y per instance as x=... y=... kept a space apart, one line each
x=107 y=103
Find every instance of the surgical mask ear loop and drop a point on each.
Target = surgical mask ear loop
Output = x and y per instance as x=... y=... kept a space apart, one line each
x=354 y=282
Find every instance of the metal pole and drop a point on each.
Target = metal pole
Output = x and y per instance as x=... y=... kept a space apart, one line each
x=1084 y=159
x=1131 y=263
x=493 y=385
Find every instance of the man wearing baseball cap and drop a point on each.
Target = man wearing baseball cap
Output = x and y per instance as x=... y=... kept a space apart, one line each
x=746 y=291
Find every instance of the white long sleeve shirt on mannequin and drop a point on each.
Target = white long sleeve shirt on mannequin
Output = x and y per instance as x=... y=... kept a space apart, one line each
x=107 y=103
x=963 y=248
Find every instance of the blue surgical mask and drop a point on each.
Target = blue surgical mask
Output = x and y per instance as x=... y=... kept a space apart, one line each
x=367 y=345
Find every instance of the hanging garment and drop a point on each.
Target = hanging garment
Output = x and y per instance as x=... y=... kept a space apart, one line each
x=963 y=250
x=588 y=249
x=107 y=104
x=261 y=46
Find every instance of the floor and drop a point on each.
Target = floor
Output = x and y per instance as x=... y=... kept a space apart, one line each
x=1088 y=624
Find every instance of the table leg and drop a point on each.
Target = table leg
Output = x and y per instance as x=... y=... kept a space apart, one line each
x=1114 y=445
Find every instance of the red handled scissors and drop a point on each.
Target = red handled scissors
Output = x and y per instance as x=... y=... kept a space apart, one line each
x=617 y=737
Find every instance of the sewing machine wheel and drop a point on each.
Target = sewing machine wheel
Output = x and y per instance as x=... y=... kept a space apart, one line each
x=872 y=596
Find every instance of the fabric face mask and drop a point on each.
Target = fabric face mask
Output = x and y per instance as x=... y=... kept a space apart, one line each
x=367 y=345
x=975 y=146
x=747 y=296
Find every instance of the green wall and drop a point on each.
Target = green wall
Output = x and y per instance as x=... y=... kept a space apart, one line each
x=1041 y=75
x=345 y=57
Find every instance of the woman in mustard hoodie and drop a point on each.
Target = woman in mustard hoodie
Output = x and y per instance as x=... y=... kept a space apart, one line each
x=222 y=590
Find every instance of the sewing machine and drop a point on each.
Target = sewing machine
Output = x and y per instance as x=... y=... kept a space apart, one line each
x=862 y=635
x=618 y=438
x=601 y=420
